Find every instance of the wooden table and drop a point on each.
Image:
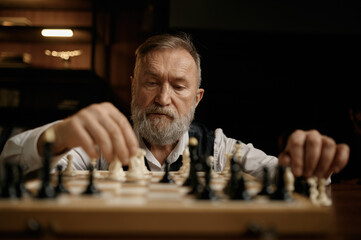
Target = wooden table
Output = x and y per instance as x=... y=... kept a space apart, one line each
x=347 y=217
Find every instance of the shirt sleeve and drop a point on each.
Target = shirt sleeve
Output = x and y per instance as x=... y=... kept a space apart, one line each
x=253 y=159
x=22 y=149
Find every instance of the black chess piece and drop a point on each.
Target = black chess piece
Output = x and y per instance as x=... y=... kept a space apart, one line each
x=91 y=189
x=167 y=178
x=235 y=168
x=239 y=190
x=266 y=184
x=9 y=189
x=20 y=185
x=207 y=193
x=193 y=154
x=302 y=186
x=60 y=188
x=47 y=190
x=281 y=192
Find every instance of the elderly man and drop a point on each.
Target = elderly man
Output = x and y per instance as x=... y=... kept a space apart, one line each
x=165 y=93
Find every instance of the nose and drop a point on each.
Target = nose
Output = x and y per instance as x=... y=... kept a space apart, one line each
x=163 y=96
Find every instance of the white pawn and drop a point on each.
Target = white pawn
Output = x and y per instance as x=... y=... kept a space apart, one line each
x=135 y=169
x=184 y=169
x=312 y=181
x=69 y=168
x=211 y=163
x=323 y=199
x=238 y=151
x=96 y=173
x=116 y=171
x=289 y=180
x=141 y=154
x=227 y=167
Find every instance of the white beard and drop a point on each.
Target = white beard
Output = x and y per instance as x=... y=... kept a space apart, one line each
x=163 y=130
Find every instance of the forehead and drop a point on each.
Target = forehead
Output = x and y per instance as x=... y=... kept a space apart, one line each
x=177 y=60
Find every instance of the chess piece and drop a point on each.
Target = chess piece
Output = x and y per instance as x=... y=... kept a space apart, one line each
x=266 y=184
x=69 y=168
x=281 y=192
x=322 y=198
x=141 y=154
x=116 y=171
x=313 y=191
x=193 y=157
x=210 y=159
x=60 y=188
x=166 y=178
x=47 y=190
x=239 y=191
x=135 y=169
x=238 y=152
x=227 y=167
x=20 y=185
x=91 y=189
x=9 y=189
x=207 y=193
x=235 y=168
x=184 y=169
x=289 y=180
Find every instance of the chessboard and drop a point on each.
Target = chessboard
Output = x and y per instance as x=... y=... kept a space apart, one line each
x=152 y=208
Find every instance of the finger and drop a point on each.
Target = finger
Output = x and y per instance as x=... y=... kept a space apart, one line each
x=313 y=146
x=284 y=159
x=79 y=137
x=327 y=155
x=341 y=158
x=127 y=131
x=295 y=148
x=99 y=135
x=119 y=146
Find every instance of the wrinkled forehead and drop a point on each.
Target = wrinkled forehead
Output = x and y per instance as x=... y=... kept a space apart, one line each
x=174 y=62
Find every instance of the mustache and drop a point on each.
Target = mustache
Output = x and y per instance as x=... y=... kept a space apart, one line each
x=160 y=110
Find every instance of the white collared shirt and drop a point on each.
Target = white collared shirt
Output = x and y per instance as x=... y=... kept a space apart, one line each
x=22 y=149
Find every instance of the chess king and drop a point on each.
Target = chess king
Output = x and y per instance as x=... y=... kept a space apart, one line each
x=166 y=89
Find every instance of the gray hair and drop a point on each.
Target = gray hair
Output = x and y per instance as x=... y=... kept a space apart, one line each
x=168 y=41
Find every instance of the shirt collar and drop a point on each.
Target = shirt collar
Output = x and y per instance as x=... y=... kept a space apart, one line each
x=173 y=156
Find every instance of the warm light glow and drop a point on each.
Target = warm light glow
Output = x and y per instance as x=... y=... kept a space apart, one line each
x=57 y=32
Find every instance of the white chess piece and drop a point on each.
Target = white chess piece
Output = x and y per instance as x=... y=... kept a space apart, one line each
x=116 y=171
x=227 y=167
x=135 y=169
x=69 y=168
x=312 y=181
x=184 y=169
x=141 y=154
x=238 y=151
x=289 y=180
x=211 y=163
x=323 y=199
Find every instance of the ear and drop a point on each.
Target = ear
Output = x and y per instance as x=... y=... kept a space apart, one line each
x=199 y=95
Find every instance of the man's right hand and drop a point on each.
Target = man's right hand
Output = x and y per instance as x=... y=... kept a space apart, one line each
x=97 y=127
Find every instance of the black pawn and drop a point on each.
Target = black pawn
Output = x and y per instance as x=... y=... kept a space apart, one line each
x=60 y=188
x=9 y=189
x=20 y=186
x=192 y=178
x=239 y=190
x=235 y=169
x=166 y=178
x=91 y=188
x=281 y=192
x=302 y=186
x=266 y=184
x=207 y=193
x=46 y=189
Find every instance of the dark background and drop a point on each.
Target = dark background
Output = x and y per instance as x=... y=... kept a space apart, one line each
x=268 y=67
